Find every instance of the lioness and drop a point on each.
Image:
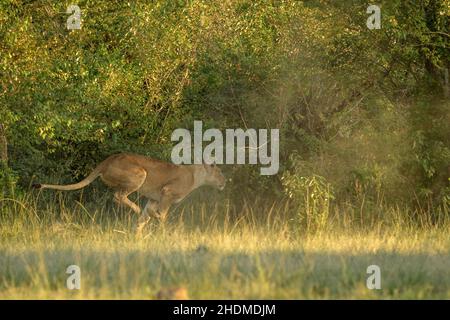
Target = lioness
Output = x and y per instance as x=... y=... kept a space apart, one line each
x=160 y=182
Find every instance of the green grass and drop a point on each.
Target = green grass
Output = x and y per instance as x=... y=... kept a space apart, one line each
x=261 y=254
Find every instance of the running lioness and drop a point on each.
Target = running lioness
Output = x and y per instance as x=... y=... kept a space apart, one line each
x=160 y=182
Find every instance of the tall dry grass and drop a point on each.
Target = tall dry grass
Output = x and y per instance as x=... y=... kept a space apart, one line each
x=214 y=251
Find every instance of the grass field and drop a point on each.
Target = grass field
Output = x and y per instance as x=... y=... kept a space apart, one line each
x=260 y=255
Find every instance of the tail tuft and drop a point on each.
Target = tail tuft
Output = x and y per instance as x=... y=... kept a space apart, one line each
x=37 y=186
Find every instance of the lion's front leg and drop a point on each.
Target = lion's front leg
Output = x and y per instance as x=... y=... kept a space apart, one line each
x=168 y=197
x=150 y=208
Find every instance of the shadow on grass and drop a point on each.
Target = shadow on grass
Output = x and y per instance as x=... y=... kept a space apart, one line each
x=272 y=274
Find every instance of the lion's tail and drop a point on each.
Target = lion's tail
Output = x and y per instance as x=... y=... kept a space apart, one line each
x=91 y=177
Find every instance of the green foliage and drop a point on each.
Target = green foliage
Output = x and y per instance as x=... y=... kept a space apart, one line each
x=8 y=180
x=312 y=196
x=365 y=109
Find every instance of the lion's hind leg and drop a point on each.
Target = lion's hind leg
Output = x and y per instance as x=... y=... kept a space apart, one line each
x=121 y=198
x=125 y=178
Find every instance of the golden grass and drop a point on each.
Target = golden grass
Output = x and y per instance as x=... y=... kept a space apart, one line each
x=261 y=255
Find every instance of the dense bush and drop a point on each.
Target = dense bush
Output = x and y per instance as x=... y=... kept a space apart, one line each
x=367 y=110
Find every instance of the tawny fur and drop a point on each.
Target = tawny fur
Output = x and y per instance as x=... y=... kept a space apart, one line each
x=162 y=183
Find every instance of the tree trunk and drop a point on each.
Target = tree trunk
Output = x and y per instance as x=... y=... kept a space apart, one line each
x=3 y=145
x=446 y=84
